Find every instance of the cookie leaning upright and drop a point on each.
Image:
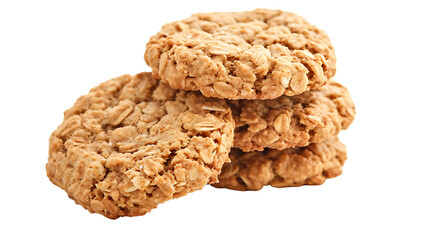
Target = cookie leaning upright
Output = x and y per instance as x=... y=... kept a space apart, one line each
x=260 y=54
x=134 y=142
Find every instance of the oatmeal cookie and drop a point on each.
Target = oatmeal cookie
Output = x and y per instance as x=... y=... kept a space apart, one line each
x=134 y=142
x=286 y=122
x=260 y=54
x=291 y=167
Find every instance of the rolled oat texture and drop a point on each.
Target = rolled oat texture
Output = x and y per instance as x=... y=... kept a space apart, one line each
x=260 y=54
x=134 y=142
x=297 y=121
x=290 y=167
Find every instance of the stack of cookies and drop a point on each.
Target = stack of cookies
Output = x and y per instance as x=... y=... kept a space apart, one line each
x=239 y=100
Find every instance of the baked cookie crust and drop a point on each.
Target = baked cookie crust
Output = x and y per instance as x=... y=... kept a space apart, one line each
x=286 y=122
x=134 y=142
x=260 y=54
x=290 y=167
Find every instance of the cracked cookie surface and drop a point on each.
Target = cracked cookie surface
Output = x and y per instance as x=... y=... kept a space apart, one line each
x=291 y=167
x=260 y=54
x=296 y=121
x=134 y=142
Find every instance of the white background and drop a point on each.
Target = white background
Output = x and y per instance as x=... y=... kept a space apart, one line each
x=51 y=52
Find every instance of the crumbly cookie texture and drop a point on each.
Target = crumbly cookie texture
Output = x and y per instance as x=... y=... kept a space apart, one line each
x=260 y=54
x=134 y=142
x=291 y=167
x=285 y=122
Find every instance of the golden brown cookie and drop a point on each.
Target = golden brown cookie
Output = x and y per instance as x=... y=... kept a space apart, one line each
x=260 y=54
x=134 y=142
x=290 y=167
x=286 y=122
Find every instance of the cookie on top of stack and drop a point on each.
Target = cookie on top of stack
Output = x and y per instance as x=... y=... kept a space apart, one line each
x=238 y=100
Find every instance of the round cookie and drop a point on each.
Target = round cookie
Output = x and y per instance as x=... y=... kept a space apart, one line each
x=287 y=122
x=260 y=54
x=134 y=142
x=291 y=167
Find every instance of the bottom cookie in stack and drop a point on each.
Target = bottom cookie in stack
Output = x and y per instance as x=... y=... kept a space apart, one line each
x=290 y=167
